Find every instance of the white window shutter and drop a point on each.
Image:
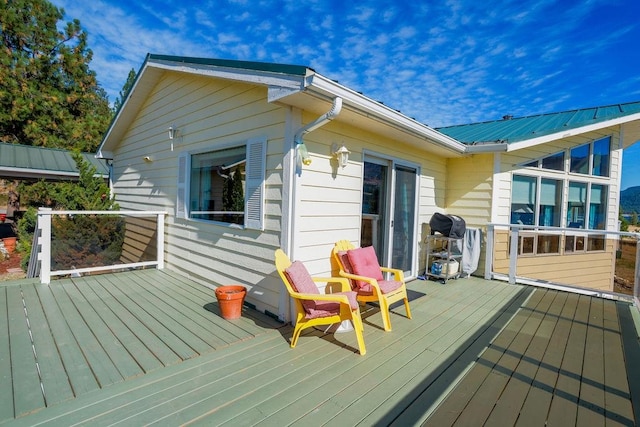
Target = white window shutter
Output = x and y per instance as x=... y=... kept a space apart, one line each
x=254 y=183
x=183 y=185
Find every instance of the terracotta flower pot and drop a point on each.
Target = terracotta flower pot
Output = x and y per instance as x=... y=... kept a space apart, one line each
x=230 y=299
x=3 y=217
x=9 y=244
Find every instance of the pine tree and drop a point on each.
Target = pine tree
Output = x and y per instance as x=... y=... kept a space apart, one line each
x=131 y=79
x=48 y=94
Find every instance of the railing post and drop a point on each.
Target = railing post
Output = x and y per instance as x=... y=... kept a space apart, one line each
x=488 y=259
x=513 y=255
x=636 y=276
x=44 y=255
x=160 y=241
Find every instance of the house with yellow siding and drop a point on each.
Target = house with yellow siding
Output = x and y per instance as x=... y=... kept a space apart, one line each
x=248 y=157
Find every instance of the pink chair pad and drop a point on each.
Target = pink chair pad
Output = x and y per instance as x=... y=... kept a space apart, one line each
x=364 y=262
x=386 y=286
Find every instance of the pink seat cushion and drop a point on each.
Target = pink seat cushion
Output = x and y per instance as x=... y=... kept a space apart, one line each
x=302 y=282
x=386 y=286
x=331 y=308
x=364 y=262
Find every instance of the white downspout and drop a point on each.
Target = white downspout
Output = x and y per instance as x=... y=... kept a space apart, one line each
x=302 y=153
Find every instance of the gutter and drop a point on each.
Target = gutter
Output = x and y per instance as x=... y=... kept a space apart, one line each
x=302 y=153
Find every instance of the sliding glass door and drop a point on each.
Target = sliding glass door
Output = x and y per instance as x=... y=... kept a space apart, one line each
x=389 y=200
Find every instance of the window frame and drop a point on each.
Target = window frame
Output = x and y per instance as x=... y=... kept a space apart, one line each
x=254 y=184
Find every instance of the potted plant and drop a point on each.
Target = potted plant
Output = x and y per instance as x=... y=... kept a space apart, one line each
x=230 y=299
x=9 y=244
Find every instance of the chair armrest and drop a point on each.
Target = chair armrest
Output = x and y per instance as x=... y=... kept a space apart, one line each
x=398 y=275
x=344 y=283
x=342 y=299
x=373 y=282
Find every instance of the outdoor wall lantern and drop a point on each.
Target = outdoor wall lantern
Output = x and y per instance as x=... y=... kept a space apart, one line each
x=173 y=132
x=341 y=154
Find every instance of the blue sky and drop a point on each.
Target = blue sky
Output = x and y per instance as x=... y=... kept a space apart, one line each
x=441 y=62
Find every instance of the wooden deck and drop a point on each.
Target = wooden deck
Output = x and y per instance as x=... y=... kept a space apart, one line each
x=149 y=347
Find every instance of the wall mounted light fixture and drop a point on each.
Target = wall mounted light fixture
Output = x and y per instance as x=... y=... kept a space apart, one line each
x=341 y=154
x=173 y=132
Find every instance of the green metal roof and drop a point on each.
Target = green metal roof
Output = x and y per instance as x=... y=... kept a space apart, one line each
x=297 y=70
x=511 y=130
x=24 y=161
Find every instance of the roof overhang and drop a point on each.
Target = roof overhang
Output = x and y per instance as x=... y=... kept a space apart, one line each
x=630 y=134
x=365 y=113
x=575 y=131
x=307 y=91
x=47 y=175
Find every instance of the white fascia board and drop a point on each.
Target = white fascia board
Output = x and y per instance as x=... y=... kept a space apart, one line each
x=572 y=132
x=38 y=173
x=245 y=75
x=381 y=112
x=487 y=148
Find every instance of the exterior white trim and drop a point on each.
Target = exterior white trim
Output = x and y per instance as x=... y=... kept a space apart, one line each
x=571 y=132
x=360 y=103
x=229 y=73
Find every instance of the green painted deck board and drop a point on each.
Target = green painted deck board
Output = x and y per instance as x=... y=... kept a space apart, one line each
x=617 y=398
x=79 y=373
x=113 y=348
x=56 y=385
x=101 y=365
x=563 y=410
x=156 y=346
x=144 y=359
x=467 y=340
x=552 y=372
x=192 y=308
x=129 y=300
x=27 y=394
x=172 y=320
x=6 y=376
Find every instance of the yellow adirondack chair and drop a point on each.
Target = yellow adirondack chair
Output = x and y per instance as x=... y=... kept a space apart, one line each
x=369 y=282
x=314 y=308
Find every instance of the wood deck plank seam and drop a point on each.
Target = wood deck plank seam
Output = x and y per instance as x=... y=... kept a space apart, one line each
x=498 y=364
x=76 y=367
x=101 y=365
x=218 y=337
x=526 y=363
x=591 y=407
x=113 y=348
x=111 y=399
x=631 y=349
x=131 y=343
x=161 y=311
x=221 y=331
x=55 y=383
x=469 y=306
x=563 y=409
x=421 y=403
x=157 y=328
x=618 y=396
x=27 y=391
x=376 y=333
x=6 y=379
x=165 y=353
x=184 y=314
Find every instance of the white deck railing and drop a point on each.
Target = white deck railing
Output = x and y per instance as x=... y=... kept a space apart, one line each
x=44 y=242
x=516 y=230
